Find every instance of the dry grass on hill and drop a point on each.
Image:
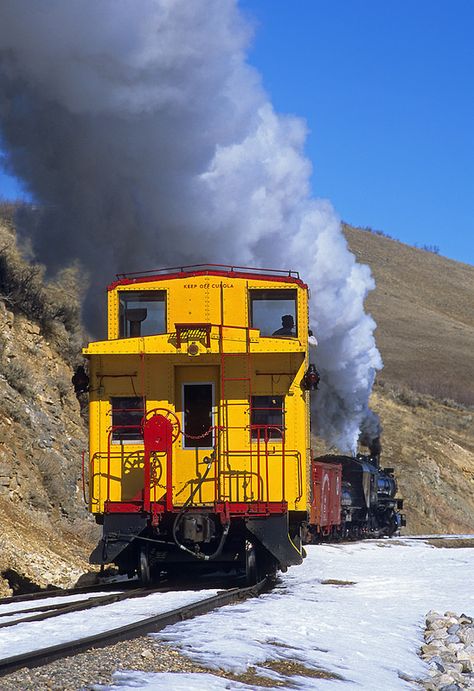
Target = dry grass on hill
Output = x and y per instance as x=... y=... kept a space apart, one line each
x=431 y=446
x=423 y=306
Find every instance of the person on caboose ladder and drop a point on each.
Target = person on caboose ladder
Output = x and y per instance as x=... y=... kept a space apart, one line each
x=287 y=328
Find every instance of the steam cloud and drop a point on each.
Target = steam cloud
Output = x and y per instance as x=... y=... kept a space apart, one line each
x=149 y=141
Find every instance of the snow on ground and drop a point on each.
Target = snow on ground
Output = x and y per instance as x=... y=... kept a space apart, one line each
x=176 y=682
x=367 y=632
x=41 y=634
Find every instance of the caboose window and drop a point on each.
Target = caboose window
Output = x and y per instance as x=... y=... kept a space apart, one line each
x=197 y=400
x=267 y=417
x=273 y=312
x=142 y=313
x=127 y=414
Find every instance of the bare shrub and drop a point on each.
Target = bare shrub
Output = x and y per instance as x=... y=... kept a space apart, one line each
x=428 y=248
x=63 y=386
x=465 y=423
x=426 y=395
x=55 y=305
x=18 y=377
x=368 y=229
x=8 y=210
x=451 y=393
x=14 y=411
x=404 y=395
x=50 y=466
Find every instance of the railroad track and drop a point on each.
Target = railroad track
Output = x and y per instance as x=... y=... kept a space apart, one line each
x=45 y=655
x=61 y=592
x=43 y=612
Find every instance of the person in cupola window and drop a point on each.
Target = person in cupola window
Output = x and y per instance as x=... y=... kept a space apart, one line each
x=287 y=329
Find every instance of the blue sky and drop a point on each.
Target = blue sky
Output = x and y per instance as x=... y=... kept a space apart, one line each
x=386 y=88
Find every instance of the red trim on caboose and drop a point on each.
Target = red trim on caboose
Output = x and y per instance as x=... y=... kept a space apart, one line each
x=259 y=274
x=253 y=508
x=241 y=509
x=123 y=506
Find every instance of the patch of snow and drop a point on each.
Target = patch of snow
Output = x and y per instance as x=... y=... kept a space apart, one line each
x=368 y=632
x=162 y=681
x=41 y=634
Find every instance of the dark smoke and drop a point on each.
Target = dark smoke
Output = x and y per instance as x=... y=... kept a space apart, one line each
x=370 y=433
x=149 y=141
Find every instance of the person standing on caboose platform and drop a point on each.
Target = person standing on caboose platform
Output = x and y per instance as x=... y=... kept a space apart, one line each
x=80 y=382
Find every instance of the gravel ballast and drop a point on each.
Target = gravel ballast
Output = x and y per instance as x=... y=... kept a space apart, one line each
x=96 y=666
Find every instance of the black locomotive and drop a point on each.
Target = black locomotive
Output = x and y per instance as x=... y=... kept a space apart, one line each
x=353 y=497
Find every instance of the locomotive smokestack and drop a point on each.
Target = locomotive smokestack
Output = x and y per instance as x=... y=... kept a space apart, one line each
x=370 y=434
x=375 y=448
x=148 y=140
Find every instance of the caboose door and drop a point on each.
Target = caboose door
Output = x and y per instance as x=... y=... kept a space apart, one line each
x=197 y=396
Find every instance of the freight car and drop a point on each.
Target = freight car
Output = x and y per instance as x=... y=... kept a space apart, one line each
x=352 y=498
x=199 y=448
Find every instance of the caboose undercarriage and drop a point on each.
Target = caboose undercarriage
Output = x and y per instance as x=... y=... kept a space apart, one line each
x=197 y=540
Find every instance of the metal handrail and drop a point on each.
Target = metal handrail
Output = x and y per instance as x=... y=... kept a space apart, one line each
x=83 y=473
x=227 y=268
x=264 y=457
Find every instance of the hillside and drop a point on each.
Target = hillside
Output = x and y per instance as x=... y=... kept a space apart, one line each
x=423 y=306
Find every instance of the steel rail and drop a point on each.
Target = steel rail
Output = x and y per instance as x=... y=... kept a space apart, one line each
x=78 y=606
x=38 y=658
x=60 y=592
x=39 y=608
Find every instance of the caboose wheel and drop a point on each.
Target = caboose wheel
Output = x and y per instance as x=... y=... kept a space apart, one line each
x=251 y=571
x=267 y=564
x=144 y=567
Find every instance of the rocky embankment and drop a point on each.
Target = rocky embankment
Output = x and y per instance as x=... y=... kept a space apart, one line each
x=449 y=651
x=45 y=533
x=45 y=528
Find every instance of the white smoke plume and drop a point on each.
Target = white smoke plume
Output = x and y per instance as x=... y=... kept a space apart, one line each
x=148 y=140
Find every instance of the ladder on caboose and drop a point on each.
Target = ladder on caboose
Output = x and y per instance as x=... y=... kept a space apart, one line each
x=225 y=475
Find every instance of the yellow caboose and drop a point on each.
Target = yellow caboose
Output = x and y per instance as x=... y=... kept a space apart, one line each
x=199 y=421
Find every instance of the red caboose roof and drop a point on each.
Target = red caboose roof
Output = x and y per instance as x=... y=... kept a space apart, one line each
x=277 y=275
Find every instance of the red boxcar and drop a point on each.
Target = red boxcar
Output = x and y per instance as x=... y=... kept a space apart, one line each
x=325 y=511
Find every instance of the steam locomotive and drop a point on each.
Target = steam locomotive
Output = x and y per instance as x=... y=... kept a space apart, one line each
x=352 y=498
x=199 y=428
